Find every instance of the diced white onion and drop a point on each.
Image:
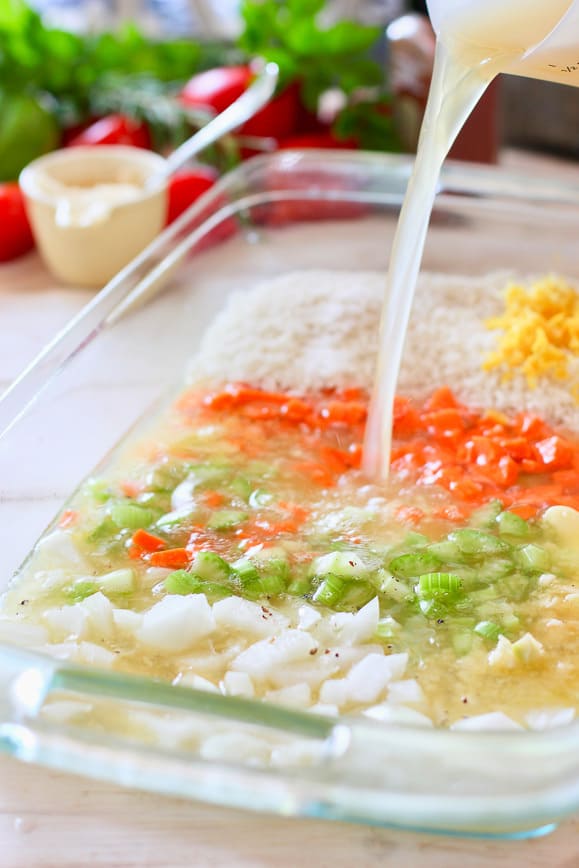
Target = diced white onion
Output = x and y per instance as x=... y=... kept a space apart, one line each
x=297 y=696
x=238 y=684
x=176 y=622
x=244 y=616
x=494 y=721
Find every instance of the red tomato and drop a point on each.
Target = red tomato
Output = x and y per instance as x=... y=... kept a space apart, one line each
x=218 y=88
x=15 y=233
x=114 y=130
x=186 y=186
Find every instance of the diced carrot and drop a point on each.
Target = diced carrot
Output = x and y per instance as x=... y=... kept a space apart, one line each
x=443 y=421
x=451 y=513
x=148 y=542
x=530 y=425
x=299 y=513
x=296 y=410
x=345 y=412
x=175 y=559
x=213 y=498
x=442 y=399
x=556 y=453
x=353 y=393
x=68 y=518
x=517 y=447
x=409 y=514
x=523 y=510
x=567 y=479
x=334 y=459
x=316 y=472
x=130 y=488
x=354 y=455
x=406 y=417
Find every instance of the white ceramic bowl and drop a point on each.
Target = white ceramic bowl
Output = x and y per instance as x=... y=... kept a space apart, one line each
x=91 y=244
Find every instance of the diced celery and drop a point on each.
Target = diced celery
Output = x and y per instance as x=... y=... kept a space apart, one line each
x=215 y=591
x=276 y=567
x=533 y=558
x=448 y=552
x=484 y=594
x=247 y=576
x=106 y=530
x=434 y=585
x=209 y=474
x=486 y=516
x=130 y=515
x=393 y=587
x=477 y=543
x=300 y=586
x=240 y=486
x=80 y=590
x=461 y=642
x=516 y=587
x=347 y=564
x=494 y=569
x=387 y=628
x=226 y=519
x=414 y=540
x=117 y=582
x=166 y=477
x=272 y=584
x=210 y=566
x=330 y=590
x=259 y=498
x=98 y=489
x=510 y=524
x=411 y=565
x=356 y=595
x=182 y=582
x=488 y=630
x=434 y=609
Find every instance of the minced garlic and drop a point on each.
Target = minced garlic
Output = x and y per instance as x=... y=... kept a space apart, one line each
x=540 y=328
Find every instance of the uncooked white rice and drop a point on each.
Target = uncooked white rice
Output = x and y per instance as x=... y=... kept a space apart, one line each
x=310 y=329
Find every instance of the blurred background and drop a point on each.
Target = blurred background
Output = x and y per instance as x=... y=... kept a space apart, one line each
x=536 y=115
x=354 y=74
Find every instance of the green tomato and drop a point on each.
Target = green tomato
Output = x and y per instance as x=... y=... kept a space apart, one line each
x=27 y=130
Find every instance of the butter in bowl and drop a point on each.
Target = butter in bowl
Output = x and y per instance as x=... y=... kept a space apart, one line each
x=93 y=210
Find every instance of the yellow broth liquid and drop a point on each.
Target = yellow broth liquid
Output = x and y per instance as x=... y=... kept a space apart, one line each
x=283 y=468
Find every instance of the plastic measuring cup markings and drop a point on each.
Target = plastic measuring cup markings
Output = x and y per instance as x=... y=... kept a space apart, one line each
x=534 y=38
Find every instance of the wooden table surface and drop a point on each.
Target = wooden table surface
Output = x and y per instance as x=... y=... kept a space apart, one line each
x=51 y=820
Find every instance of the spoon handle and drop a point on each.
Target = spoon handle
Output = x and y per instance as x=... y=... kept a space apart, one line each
x=244 y=107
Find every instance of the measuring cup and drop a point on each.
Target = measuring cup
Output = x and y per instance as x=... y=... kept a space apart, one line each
x=89 y=234
x=535 y=38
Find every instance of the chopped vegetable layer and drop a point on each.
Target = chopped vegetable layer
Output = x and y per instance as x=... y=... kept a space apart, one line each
x=244 y=519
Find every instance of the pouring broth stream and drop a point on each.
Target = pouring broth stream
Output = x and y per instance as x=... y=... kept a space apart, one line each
x=472 y=48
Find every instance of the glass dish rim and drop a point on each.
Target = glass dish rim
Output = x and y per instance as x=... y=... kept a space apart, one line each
x=456 y=179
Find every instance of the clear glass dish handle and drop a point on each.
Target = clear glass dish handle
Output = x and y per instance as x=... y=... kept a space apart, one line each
x=406 y=773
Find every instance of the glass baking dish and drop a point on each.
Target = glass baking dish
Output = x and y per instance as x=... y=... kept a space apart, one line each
x=126 y=349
